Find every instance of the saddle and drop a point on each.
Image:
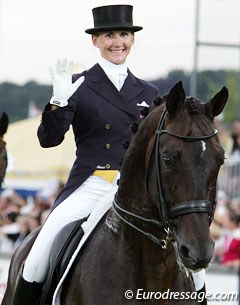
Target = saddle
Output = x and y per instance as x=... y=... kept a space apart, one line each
x=62 y=250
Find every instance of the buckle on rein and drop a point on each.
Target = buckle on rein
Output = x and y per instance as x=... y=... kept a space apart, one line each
x=169 y=237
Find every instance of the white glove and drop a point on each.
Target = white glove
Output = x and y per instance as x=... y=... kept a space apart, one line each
x=63 y=88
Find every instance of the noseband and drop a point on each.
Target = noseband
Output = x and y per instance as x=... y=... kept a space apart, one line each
x=166 y=212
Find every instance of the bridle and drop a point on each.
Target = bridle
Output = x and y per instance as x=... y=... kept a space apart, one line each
x=167 y=213
x=181 y=208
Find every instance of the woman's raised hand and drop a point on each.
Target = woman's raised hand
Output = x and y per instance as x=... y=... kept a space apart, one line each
x=63 y=88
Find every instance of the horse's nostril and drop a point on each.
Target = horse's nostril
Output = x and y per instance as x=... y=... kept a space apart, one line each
x=201 y=264
x=184 y=251
x=193 y=259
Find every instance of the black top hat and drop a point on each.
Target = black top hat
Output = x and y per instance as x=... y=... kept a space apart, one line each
x=113 y=17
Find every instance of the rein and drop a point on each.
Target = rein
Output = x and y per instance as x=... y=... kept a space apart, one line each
x=161 y=242
x=174 y=211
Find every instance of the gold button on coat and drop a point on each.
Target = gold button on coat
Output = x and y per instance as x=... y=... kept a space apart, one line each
x=107 y=126
x=107 y=166
x=108 y=146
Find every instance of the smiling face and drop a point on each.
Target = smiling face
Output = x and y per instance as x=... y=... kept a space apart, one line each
x=114 y=46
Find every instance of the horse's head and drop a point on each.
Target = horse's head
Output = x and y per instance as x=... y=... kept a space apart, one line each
x=3 y=153
x=182 y=171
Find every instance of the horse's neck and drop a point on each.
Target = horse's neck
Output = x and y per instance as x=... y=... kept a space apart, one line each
x=132 y=192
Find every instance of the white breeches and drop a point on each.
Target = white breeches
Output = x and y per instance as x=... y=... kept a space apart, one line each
x=78 y=205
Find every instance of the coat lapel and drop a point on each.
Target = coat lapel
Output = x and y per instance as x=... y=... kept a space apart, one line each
x=125 y=99
x=131 y=88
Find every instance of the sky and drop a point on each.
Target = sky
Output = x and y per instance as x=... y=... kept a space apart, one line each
x=35 y=33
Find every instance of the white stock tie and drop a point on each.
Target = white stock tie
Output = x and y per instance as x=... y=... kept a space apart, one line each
x=121 y=79
x=117 y=79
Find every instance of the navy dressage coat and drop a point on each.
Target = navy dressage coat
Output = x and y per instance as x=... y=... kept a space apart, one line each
x=100 y=116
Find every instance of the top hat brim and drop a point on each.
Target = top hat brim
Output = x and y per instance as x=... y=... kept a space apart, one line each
x=112 y=28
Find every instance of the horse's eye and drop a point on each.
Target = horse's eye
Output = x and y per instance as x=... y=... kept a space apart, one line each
x=167 y=160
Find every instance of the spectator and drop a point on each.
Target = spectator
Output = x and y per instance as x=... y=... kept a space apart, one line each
x=236 y=138
x=9 y=231
x=223 y=134
x=24 y=229
x=229 y=252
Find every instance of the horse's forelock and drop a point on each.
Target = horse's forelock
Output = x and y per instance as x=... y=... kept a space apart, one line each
x=192 y=105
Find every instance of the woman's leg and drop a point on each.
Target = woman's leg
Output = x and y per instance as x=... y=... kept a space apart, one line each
x=78 y=205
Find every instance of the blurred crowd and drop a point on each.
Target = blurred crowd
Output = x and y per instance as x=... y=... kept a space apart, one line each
x=225 y=228
x=19 y=216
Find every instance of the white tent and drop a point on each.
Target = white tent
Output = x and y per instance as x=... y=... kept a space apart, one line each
x=30 y=165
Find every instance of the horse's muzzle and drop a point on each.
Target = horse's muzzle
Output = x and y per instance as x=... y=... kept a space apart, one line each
x=195 y=258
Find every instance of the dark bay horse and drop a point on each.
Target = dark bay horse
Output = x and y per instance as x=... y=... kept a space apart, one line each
x=157 y=230
x=4 y=121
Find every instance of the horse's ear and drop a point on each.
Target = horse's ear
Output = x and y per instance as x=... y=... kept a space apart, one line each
x=216 y=105
x=4 y=120
x=175 y=98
